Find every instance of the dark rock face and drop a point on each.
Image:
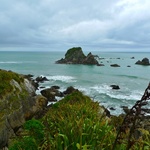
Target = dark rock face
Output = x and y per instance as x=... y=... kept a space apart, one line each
x=17 y=105
x=90 y=60
x=41 y=79
x=69 y=90
x=145 y=62
x=115 y=65
x=76 y=56
x=50 y=93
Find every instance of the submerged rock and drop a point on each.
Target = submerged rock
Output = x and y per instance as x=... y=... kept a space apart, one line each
x=75 y=55
x=115 y=65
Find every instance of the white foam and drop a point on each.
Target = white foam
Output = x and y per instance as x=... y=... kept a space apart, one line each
x=123 y=94
x=10 y=62
x=102 y=89
x=66 y=79
x=16 y=62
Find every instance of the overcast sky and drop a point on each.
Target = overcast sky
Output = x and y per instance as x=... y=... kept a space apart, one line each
x=62 y=24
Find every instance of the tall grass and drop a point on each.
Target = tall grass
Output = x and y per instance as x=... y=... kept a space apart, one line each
x=75 y=123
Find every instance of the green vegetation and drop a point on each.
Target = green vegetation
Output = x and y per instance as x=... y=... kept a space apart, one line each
x=5 y=78
x=75 y=123
x=74 y=52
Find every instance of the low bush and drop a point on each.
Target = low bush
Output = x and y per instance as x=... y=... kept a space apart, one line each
x=76 y=123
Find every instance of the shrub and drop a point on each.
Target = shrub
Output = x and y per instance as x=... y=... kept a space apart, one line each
x=73 y=123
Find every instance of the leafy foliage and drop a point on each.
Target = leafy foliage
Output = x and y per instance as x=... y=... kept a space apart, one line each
x=5 y=78
x=76 y=123
x=73 y=123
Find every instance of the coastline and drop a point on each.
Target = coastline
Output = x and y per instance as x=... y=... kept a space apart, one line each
x=93 y=81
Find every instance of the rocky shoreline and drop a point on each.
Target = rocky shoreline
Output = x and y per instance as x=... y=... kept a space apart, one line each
x=21 y=102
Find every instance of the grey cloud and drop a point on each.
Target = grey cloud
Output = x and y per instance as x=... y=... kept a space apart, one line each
x=51 y=23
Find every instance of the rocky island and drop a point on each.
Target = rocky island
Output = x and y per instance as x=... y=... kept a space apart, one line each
x=144 y=62
x=75 y=55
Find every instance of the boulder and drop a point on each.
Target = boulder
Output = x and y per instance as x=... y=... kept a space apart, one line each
x=69 y=90
x=75 y=55
x=115 y=65
x=145 y=62
x=100 y=65
x=55 y=87
x=112 y=108
x=41 y=79
x=50 y=93
x=115 y=87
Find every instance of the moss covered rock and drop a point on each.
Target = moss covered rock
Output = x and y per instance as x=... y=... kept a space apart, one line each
x=75 y=55
x=17 y=103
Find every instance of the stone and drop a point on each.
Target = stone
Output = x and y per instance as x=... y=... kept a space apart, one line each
x=50 y=93
x=41 y=79
x=112 y=108
x=115 y=87
x=145 y=62
x=69 y=90
x=100 y=65
x=115 y=65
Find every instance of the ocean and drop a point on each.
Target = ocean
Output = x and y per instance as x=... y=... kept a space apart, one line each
x=93 y=81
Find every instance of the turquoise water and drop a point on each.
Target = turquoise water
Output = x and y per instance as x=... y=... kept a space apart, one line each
x=94 y=81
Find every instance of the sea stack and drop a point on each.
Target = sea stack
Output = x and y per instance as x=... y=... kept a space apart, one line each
x=145 y=62
x=75 y=55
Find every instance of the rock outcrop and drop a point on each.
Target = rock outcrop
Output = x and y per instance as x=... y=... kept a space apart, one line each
x=18 y=103
x=75 y=55
x=115 y=65
x=50 y=93
x=145 y=62
x=115 y=87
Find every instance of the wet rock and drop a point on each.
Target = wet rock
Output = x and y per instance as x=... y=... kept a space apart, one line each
x=100 y=65
x=69 y=90
x=55 y=87
x=112 y=108
x=145 y=62
x=115 y=65
x=41 y=79
x=115 y=87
